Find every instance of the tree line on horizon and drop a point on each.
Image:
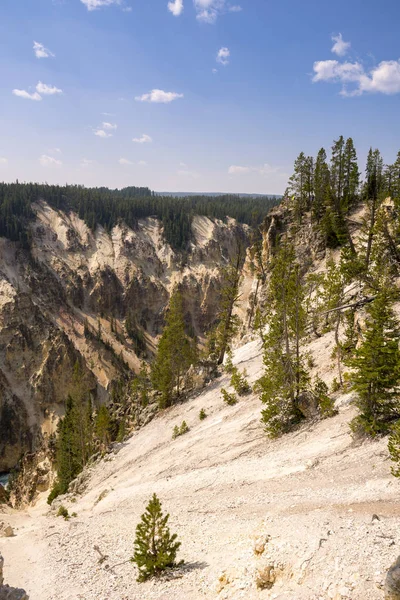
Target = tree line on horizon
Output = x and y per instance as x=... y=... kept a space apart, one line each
x=106 y=207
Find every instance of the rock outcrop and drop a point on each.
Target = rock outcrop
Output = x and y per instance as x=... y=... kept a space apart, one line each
x=7 y=592
x=97 y=299
x=392 y=583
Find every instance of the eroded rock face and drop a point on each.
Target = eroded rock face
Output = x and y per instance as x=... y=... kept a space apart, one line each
x=9 y=593
x=68 y=301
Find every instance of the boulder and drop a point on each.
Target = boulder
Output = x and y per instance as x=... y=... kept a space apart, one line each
x=392 y=583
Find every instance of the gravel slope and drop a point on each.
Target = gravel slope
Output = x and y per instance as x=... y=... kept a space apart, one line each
x=313 y=493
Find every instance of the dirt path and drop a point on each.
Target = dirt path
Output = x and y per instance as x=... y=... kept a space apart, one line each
x=313 y=492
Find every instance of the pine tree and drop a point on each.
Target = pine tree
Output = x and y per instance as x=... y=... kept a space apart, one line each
x=175 y=354
x=155 y=548
x=351 y=177
x=227 y=321
x=285 y=375
x=321 y=186
x=373 y=194
x=301 y=184
x=332 y=296
x=376 y=365
x=103 y=426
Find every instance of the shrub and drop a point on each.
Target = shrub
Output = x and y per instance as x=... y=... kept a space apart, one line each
x=228 y=366
x=228 y=398
x=155 y=548
x=184 y=428
x=325 y=402
x=240 y=383
x=202 y=414
x=63 y=512
x=335 y=386
x=394 y=449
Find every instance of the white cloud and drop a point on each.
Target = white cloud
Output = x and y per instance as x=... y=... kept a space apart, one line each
x=3 y=161
x=49 y=161
x=86 y=162
x=41 y=52
x=384 y=79
x=27 y=95
x=47 y=90
x=101 y=133
x=125 y=161
x=106 y=114
x=96 y=4
x=340 y=47
x=159 y=97
x=263 y=170
x=207 y=11
x=223 y=56
x=142 y=163
x=175 y=7
x=215 y=71
x=144 y=139
x=109 y=126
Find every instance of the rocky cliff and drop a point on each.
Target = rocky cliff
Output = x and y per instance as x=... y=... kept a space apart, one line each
x=114 y=286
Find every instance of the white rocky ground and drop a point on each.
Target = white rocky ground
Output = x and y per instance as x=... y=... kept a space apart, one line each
x=312 y=494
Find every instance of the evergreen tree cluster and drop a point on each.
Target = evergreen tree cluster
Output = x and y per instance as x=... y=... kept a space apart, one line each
x=331 y=189
x=362 y=273
x=105 y=207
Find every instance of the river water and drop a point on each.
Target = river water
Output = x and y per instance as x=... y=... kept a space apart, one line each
x=4 y=478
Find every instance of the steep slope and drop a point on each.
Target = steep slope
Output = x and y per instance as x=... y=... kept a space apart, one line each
x=70 y=298
x=312 y=494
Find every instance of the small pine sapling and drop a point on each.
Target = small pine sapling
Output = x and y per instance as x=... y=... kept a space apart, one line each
x=240 y=383
x=228 y=366
x=325 y=402
x=155 y=548
x=228 y=398
x=202 y=414
x=175 y=432
x=184 y=428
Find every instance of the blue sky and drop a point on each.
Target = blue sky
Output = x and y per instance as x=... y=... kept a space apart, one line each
x=192 y=95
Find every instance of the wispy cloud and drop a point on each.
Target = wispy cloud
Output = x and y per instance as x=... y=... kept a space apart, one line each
x=49 y=161
x=47 y=90
x=142 y=163
x=264 y=170
x=125 y=162
x=355 y=80
x=42 y=52
x=340 y=47
x=223 y=56
x=96 y=4
x=3 y=161
x=144 y=139
x=109 y=126
x=86 y=162
x=176 y=7
x=207 y=11
x=101 y=133
x=27 y=95
x=159 y=97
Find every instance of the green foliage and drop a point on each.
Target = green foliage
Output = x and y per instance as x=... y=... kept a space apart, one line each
x=155 y=548
x=63 y=512
x=228 y=365
x=227 y=322
x=325 y=402
x=202 y=414
x=394 y=448
x=229 y=399
x=184 y=428
x=102 y=206
x=239 y=382
x=175 y=354
x=285 y=375
x=103 y=426
x=376 y=368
